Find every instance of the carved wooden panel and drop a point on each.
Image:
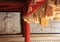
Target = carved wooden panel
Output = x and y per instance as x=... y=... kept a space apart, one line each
x=10 y=22
x=53 y=27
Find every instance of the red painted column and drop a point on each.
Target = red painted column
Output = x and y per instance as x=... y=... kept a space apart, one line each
x=27 y=32
x=26 y=27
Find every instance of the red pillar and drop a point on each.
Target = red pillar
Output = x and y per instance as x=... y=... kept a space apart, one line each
x=26 y=31
x=26 y=26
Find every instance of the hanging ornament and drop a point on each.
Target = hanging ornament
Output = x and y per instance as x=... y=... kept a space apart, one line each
x=39 y=16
